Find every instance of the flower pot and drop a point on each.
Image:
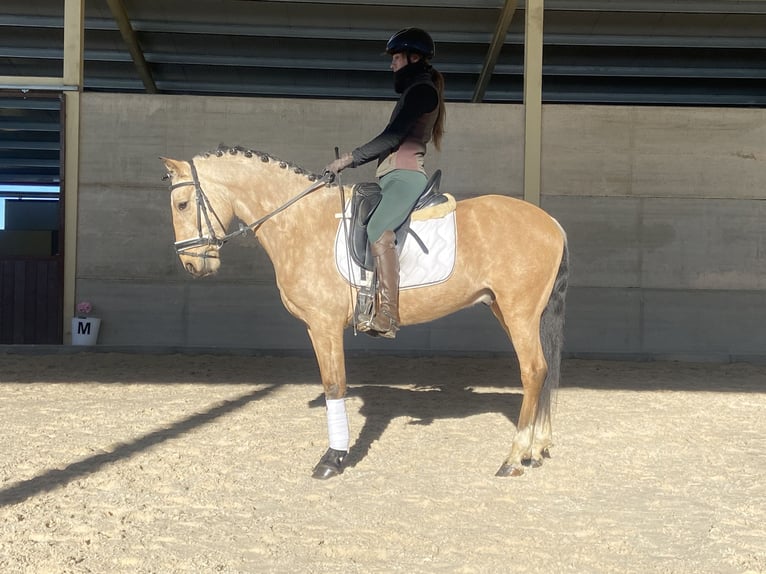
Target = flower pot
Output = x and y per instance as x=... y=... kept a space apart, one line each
x=85 y=330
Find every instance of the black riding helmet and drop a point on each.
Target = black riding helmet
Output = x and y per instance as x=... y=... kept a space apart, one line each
x=412 y=40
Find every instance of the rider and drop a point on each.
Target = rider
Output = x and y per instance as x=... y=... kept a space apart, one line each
x=400 y=149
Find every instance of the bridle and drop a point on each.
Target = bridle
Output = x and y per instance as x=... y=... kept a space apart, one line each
x=205 y=210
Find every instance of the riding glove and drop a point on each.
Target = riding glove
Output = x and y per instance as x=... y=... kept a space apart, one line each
x=340 y=164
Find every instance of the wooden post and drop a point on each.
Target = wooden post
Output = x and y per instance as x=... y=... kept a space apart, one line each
x=73 y=76
x=533 y=93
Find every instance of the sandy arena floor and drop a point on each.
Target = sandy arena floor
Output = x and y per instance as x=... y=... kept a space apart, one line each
x=134 y=463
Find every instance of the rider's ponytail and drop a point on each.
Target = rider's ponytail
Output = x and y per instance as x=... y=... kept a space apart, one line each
x=438 y=131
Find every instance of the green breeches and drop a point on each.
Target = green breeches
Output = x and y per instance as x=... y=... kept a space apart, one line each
x=401 y=189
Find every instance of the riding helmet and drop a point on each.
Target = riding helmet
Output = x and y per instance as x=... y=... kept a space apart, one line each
x=412 y=40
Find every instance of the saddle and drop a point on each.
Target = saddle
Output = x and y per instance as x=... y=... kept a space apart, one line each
x=366 y=197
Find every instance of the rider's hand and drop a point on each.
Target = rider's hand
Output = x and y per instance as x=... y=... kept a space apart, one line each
x=339 y=164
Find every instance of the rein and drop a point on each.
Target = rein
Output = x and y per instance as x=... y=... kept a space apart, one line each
x=205 y=209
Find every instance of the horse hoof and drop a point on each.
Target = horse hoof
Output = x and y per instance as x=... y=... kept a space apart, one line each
x=323 y=472
x=509 y=470
x=532 y=462
x=331 y=464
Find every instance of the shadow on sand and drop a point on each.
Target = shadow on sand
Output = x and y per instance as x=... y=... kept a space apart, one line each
x=54 y=478
x=382 y=404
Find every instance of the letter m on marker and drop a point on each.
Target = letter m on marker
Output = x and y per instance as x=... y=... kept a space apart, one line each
x=83 y=328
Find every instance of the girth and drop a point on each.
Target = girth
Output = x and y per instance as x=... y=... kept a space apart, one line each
x=365 y=200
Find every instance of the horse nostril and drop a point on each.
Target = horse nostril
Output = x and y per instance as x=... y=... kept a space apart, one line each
x=190 y=268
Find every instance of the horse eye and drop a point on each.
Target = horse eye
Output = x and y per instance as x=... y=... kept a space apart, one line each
x=183 y=205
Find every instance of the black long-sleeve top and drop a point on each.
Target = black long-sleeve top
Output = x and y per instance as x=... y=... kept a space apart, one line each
x=421 y=97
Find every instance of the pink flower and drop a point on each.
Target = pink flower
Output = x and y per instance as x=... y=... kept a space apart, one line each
x=84 y=307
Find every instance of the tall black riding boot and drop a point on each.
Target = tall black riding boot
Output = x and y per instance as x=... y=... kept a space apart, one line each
x=386 y=319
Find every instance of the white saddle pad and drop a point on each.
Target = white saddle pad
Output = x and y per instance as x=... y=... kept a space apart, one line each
x=416 y=268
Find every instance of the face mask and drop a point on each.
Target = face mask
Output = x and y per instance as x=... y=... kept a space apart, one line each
x=403 y=76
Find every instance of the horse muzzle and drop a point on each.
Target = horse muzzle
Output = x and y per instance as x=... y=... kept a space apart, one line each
x=201 y=264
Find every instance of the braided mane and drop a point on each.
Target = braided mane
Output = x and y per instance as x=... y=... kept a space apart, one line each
x=222 y=150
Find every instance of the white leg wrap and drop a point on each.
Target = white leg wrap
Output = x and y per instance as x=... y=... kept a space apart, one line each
x=337 y=424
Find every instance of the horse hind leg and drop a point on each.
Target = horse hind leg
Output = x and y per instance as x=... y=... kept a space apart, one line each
x=551 y=338
x=533 y=431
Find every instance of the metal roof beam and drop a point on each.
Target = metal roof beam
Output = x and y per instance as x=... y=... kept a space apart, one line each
x=551 y=39
x=31 y=179
x=29 y=126
x=490 y=4
x=34 y=145
x=495 y=46
x=652 y=41
x=24 y=103
x=58 y=54
x=660 y=6
x=18 y=164
x=129 y=36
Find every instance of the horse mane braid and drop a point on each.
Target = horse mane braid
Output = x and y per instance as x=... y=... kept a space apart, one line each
x=223 y=149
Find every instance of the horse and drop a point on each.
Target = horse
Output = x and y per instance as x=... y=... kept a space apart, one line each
x=510 y=256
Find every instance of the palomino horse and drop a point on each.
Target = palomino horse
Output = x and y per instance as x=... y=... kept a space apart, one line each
x=511 y=256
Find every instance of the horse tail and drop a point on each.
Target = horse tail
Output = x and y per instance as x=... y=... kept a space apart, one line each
x=552 y=334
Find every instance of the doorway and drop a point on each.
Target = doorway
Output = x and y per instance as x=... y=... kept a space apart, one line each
x=31 y=217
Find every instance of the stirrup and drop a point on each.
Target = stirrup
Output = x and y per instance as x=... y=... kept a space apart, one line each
x=364 y=323
x=389 y=332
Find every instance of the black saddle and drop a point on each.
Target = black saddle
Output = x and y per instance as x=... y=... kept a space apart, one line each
x=363 y=204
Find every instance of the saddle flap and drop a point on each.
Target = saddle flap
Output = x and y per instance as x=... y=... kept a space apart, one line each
x=366 y=197
x=431 y=193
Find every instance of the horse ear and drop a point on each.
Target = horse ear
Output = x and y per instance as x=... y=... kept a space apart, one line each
x=173 y=166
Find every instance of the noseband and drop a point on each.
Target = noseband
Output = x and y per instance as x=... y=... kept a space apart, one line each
x=205 y=210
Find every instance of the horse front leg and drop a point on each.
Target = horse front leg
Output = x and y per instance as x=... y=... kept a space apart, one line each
x=328 y=347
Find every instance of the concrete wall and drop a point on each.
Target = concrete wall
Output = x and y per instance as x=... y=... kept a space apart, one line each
x=663 y=207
